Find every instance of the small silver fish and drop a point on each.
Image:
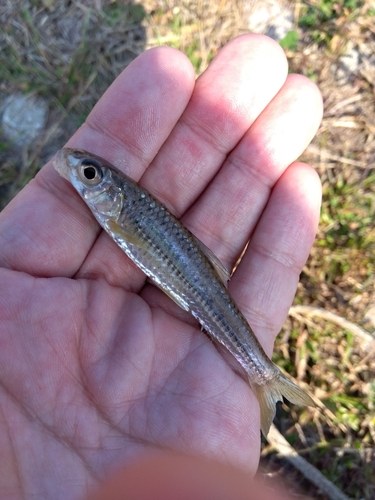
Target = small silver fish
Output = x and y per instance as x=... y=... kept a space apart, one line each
x=178 y=263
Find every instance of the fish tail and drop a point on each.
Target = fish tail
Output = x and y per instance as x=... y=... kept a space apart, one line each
x=273 y=391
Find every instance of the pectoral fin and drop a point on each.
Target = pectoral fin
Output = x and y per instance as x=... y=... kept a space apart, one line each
x=116 y=229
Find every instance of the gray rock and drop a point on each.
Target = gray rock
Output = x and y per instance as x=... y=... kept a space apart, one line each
x=350 y=60
x=357 y=61
x=23 y=119
x=274 y=18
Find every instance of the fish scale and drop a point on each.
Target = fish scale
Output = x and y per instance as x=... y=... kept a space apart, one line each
x=168 y=270
x=178 y=263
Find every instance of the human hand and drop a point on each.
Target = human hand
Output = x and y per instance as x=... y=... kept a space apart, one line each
x=97 y=367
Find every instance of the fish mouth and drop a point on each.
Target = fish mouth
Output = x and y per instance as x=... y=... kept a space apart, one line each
x=66 y=161
x=61 y=164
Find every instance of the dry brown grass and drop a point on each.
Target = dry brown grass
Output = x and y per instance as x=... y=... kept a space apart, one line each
x=44 y=47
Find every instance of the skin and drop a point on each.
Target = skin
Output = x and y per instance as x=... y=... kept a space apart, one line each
x=98 y=368
x=169 y=477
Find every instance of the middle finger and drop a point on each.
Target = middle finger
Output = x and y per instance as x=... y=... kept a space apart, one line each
x=239 y=83
x=226 y=214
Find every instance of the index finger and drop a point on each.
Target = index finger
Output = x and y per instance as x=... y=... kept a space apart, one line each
x=47 y=230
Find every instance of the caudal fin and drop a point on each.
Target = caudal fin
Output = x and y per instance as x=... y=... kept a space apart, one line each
x=273 y=391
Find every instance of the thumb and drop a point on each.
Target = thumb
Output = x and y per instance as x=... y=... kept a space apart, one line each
x=169 y=476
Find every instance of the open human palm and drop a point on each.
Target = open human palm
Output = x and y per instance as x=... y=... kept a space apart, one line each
x=97 y=366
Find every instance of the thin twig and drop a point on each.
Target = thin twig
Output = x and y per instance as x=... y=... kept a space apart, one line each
x=309 y=471
x=312 y=149
x=367 y=340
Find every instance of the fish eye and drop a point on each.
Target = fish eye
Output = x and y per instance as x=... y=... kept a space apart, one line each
x=90 y=172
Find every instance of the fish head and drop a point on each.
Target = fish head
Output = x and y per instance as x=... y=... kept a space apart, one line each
x=94 y=179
